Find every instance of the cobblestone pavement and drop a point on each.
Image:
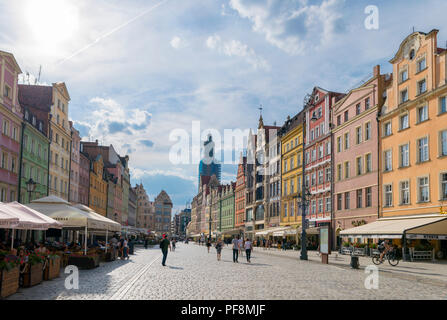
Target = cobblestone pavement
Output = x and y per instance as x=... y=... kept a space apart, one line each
x=192 y=273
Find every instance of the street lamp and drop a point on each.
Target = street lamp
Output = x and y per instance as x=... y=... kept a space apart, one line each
x=30 y=187
x=304 y=203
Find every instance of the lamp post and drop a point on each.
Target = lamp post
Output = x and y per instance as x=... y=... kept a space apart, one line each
x=30 y=187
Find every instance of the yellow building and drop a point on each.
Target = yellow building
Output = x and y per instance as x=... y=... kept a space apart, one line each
x=60 y=141
x=98 y=186
x=291 y=170
x=413 y=131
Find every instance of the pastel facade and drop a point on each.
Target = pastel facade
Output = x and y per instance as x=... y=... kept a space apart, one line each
x=60 y=141
x=84 y=178
x=226 y=208
x=414 y=130
x=145 y=209
x=10 y=120
x=163 y=210
x=75 y=164
x=98 y=186
x=291 y=169
x=356 y=154
x=240 y=194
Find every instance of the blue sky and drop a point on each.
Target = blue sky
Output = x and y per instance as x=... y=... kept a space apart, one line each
x=138 y=69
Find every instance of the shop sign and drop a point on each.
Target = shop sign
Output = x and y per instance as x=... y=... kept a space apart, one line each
x=324 y=240
x=426 y=236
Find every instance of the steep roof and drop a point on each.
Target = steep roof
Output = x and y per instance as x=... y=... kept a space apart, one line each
x=39 y=97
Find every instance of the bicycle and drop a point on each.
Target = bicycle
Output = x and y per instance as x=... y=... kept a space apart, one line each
x=391 y=256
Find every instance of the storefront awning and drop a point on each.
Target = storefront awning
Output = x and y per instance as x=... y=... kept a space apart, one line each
x=272 y=231
x=394 y=228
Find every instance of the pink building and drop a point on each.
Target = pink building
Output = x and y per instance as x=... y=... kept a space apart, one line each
x=356 y=155
x=10 y=122
x=318 y=155
x=75 y=164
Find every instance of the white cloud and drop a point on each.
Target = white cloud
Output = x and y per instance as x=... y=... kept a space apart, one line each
x=178 y=43
x=237 y=49
x=294 y=26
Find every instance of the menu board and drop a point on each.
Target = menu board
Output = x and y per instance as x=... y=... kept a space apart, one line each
x=324 y=240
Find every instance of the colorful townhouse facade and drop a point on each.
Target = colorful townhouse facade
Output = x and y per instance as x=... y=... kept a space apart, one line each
x=34 y=142
x=132 y=207
x=98 y=186
x=84 y=178
x=240 y=193
x=292 y=141
x=10 y=119
x=226 y=208
x=273 y=181
x=413 y=131
x=124 y=192
x=145 y=209
x=318 y=155
x=163 y=209
x=250 y=188
x=356 y=155
x=74 y=164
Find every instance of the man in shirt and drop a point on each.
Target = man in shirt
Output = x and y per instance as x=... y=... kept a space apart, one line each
x=241 y=246
x=235 y=243
x=164 y=245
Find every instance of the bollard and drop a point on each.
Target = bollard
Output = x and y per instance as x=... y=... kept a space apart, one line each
x=355 y=262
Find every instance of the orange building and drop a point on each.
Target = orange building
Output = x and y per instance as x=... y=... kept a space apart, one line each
x=98 y=186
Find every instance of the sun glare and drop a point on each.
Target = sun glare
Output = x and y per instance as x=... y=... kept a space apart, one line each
x=52 y=22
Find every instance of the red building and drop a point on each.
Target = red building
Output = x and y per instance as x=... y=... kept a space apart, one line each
x=318 y=152
x=240 y=195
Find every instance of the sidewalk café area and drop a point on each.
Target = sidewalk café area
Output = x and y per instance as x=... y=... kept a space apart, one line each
x=40 y=238
x=418 y=237
x=286 y=237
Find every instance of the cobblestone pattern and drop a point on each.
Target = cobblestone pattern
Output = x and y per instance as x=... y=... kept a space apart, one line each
x=193 y=273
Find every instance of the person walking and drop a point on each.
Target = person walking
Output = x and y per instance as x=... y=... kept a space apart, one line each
x=173 y=245
x=235 y=248
x=241 y=246
x=164 y=245
x=208 y=245
x=219 y=246
x=125 y=249
x=248 y=247
x=146 y=242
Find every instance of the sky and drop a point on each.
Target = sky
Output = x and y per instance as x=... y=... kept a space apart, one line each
x=137 y=70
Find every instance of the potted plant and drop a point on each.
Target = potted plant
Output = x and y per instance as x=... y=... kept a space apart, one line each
x=53 y=266
x=33 y=270
x=9 y=274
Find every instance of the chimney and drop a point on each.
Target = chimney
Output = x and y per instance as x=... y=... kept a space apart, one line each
x=376 y=71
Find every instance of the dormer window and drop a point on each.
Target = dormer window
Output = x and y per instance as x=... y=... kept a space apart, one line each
x=34 y=120
x=26 y=115
x=412 y=54
x=317 y=98
x=40 y=126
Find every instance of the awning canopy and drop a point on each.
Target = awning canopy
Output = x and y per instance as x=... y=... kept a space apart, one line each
x=8 y=221
x=65 y=213
x=25 y=221
x=111 y=225
x=53 y=224
x=394 y=228
x=278 y=231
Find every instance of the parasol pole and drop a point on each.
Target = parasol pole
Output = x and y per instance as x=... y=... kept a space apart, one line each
x=12 y=239
x=107 y=236
x=85 y=241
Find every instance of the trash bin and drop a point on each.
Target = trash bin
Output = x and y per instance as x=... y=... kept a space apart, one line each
x=355 y=262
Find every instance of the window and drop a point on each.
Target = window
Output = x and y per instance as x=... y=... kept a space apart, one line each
x=404 y=192
x=358 y=135
x=328 y=148
x=314 y=206
x=367 y=131
x=347 y=200
x=368 y=197
x=388 y=161
x=403 y=122
x=339 y=144
x=404 y=76
x=404 y=96
x=314 y=179
x=314 y=154
x=328 y=205
x=346 y=141
x=387 y=129
x=367 y=103
x=443 y=186
x=357 y=109
x=320 y=177
x=421 y=65
x=346 y=115
x=291 y=163
x=359 y=166
x=422 y=149
x=6 y=127
x=359 y=198
x=422 y=86
x=442 y=105
x=328 y=174
x=424 y=191
x=404 y=155
x=443 y=143
x=338 y=120
x=339 y=201
x=4 y=160
x=339 y=172
x=346 y=170
x=422 y=114
x=320 y=151
x=311 y=135
x=317 y=132
x=388 y=195
x=368 y=163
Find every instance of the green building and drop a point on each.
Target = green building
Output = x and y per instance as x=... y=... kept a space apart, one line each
x=34 y=155
x=227 y=208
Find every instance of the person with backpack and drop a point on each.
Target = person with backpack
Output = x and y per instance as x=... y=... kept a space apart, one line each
x=248 y=247
x=164 y=245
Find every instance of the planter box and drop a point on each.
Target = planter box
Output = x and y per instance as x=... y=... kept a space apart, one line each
x=111 y=255
x=33 y=275
x=9 y=282
x=84 y=262
x=53 y=269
